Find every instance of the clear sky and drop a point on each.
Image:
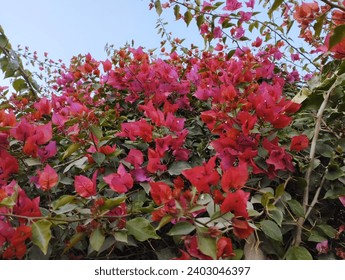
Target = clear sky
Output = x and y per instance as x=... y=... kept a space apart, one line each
x=64 y=28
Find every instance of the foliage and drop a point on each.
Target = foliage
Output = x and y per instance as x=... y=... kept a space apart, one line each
x=196 y=154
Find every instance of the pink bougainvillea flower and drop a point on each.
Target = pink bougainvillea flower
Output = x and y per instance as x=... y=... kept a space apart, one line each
x=234 y=177
x=232 y=5
x=21 y=234
x=140 y=128
x=173 y=123
x=8 y=165
x=107 y=149
x=44 y=106
x=322 y=247
x=236 y=203
x=17 y=247
x=242 y=229
x=306 y=12
x=247 y=121
x=250 y=4
x=48 y=151
x=22 y=131
x=154 y=164
x=26 y=206
x=278 y=158
x=224 y=248
x=121 y=181
x=160 y=192
x=202 y=177
x=257 y=43
x=3 y=141
x=163 y=144
x=299 y=143
x=191 y=243
x=84 y=186
x=6 y=232
x=44 y=133
x=140 y=175
x=150 y=111
x=48 y=178
x=58 y=119
x=106 y=65
x=135 y=157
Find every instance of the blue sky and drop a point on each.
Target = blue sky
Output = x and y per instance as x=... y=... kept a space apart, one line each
x=64 y=28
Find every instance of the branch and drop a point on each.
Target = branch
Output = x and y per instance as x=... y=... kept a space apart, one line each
x=298 y=235
x=267 y=25
x=66 y=220
x=333 y=5
x=22 y=72
x=316 y=197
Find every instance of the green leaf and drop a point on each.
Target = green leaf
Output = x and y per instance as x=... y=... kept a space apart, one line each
x=334 y=172
x=41 y=234
x=141 y=229
x=65 y=209
x=328 y=230
x=335 y=192
x=177 y=167
x=298 y=253
x=277 y=216
x=271 y=230
x=111 y=203
x=158 y=7
x=74 y=240
x=32 y=161
x=266 y=199
x=296 y=207
x=97 y=131
x=207 y=245
x=188 y=17
x=7 y=202
x=63 y=200
x=71 y=149
x=230 y=54
x=200 y=20
x=97 y=239
x=279 y=191
x=319 y=24
x=19 y=84
x=164 y=221
x=274 y=7
x=4 y=41
x=182 y=228
x=98 y=158
x=177 y=12
x=338 y=36
x=316 y=237
x=121 y=236
x=238 y=255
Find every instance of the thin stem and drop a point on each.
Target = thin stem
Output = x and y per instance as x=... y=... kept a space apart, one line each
x=333 y=5
x=316 y=197
x=298 y=235
x=272 y=29
x=55 y=219
x=21 y=71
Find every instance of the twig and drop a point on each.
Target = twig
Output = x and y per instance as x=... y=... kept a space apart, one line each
x=22 y=73
x=333 y=5
x=252 y=20
x=316 y=197
x=298 y=235
x=330 y=130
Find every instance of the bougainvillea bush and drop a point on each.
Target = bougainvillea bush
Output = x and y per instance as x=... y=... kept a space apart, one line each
x=193 y=154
